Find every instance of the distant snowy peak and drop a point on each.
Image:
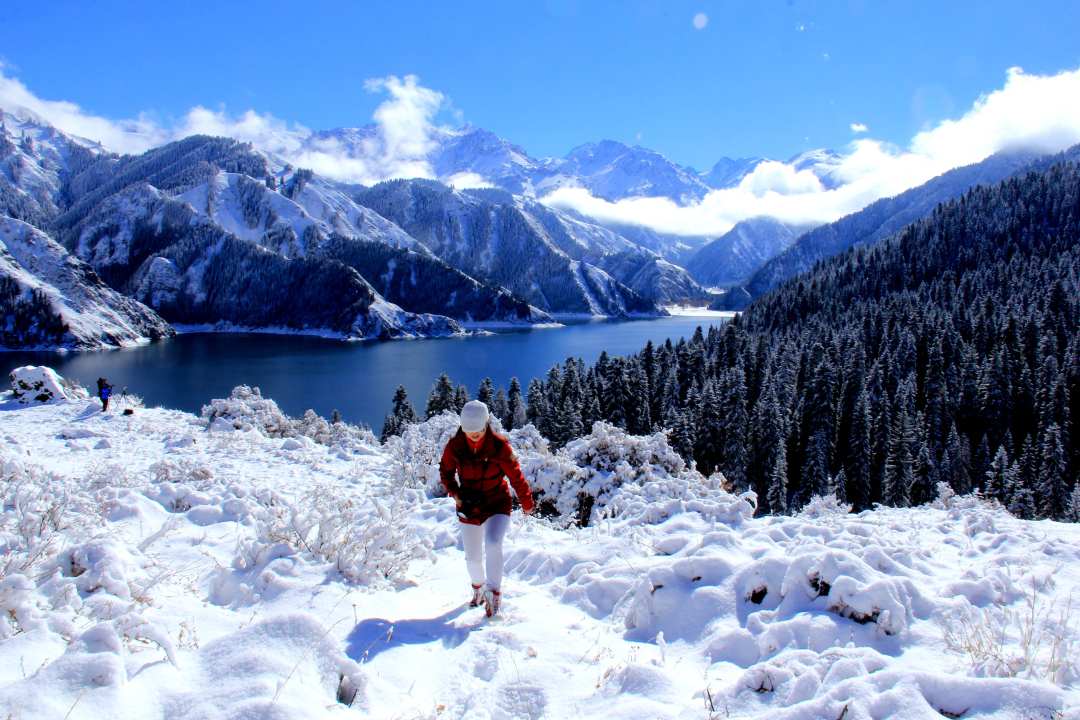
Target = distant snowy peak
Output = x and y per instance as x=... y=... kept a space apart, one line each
x=34 y=158
x=52 y=300
x=821 y=162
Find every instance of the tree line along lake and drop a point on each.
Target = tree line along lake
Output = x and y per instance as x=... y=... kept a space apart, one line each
x=358 y=379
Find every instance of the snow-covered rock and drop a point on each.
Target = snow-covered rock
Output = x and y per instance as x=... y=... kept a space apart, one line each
x=37 y=384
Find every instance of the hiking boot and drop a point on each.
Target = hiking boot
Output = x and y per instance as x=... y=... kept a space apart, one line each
x=492 y=600
x=477 y=596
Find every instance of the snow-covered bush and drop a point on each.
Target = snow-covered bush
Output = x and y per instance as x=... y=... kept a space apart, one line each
x=247 y=409
x=35 y=510
x=417 y=450
x=37 y=384
x=1039 y=640
x=637 y=479
x=368 y=540
x=824 y=506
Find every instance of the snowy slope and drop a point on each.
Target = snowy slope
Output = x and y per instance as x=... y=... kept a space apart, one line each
x=95 y=315
x=506 y=241
x=735 y=255
x=256 y=567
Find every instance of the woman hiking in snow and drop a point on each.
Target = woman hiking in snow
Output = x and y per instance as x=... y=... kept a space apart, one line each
x=481 y=459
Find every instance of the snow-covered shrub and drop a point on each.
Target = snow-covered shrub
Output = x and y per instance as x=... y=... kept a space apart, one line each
x=417 y=450
x=945 y=496
x=36 y=510
x=247 y=409
x=1039 y=640
x=37 y=384
x=637 y=479
x=555 y=480
x=824 y=506
x=607 y=458
x=368 y=540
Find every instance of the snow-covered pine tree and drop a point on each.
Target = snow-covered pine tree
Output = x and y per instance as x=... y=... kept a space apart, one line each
x=486 y=392
x=515 y=406
x=1053 y=479
x=400 y=416
x=461 y=396
x=734 y=427
x=861 y=446
x=817 y=423
x=638 y=415
x=441 y=397
x=900 y=462
x=778 y=487
x=501 y=408
x=997 y=477
x=536 y=409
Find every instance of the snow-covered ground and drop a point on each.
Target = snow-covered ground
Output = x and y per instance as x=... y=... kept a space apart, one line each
x=242 y=565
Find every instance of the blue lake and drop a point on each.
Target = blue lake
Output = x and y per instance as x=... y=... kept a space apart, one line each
x=358 y=379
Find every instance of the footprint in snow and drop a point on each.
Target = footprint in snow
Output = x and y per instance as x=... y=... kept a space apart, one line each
x=515 y=701
x=486 y=662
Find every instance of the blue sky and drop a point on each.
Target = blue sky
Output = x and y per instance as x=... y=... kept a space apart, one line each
x=758 y=78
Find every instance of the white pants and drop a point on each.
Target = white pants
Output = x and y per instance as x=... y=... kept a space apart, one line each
x=484 y=542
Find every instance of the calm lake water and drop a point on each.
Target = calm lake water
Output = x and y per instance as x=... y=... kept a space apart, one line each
x=357 y=379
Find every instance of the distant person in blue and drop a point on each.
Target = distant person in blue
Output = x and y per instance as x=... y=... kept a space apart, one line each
x=104 y=391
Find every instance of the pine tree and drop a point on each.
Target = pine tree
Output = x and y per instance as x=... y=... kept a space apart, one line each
x=956 y=465
x=486 y=392
x=900 y=462
x=778 y=489
x=400 y=417
x=683 y=434
x=566 y=423
x=861 y=455
x=501 y=408
x=1074 y=504
x=461 y=396
x=638 y=415
x=997 y=477
x=734 y=427
x=817 y=423
x=515 y=406
x=441 y=397
x=922 y=491
x=1021 y=499
x=536 y=411
x=1053 y=479
x=838 y=486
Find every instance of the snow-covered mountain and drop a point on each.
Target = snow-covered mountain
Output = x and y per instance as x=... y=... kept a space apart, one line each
x=151 y=226
x=50 y=299
x=881 y=219
x=735 y=255
x=493 y=236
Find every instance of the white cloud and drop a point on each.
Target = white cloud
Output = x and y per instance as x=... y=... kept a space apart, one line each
x=467 y=180
x=857 y=127
x=404 y=129
x=129 y=136
x=700 y=21
x=1030 y=112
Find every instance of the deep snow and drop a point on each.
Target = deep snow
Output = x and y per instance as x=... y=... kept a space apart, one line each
x=241 y=565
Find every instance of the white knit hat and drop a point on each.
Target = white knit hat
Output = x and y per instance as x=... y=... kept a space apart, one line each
x=474 y=416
